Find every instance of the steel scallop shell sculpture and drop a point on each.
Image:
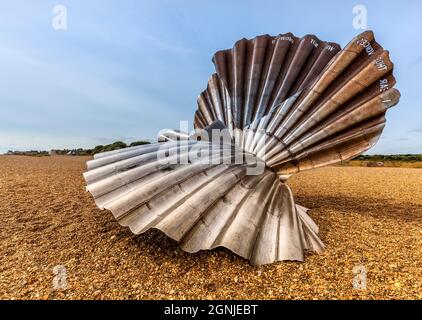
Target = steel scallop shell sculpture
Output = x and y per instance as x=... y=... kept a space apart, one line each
x=287 y=104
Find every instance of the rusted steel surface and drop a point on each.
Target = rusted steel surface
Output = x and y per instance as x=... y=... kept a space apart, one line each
x=288 y=104
x=341 y=115
x=329 y=116
x=257 y=74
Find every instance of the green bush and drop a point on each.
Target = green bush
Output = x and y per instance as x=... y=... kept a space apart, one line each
x=114 y=146
x=138 y=143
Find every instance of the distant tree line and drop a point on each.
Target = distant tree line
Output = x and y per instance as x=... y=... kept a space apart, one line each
x=396 y=157
x=98 y=149
x=33 y=153
x=115 y=146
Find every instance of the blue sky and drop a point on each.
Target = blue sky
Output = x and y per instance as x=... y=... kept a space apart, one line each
x=125 y=69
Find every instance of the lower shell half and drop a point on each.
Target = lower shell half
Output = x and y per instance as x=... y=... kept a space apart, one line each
x=203 y=202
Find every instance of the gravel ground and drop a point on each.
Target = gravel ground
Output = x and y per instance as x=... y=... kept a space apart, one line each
x=369 y=217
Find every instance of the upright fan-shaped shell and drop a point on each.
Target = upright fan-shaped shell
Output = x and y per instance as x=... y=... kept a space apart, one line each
x=339 y=116
x=288 y=105
x=301 y=103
